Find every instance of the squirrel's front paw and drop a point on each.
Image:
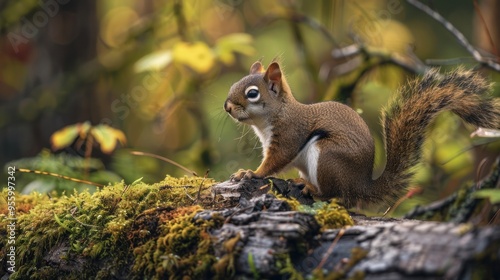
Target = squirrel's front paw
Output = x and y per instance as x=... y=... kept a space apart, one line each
x=244 y=174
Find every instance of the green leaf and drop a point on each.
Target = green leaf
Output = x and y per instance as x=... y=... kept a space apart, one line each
x=107 y=137
x=136 y=181
x=492 y=194
x=154 y=61
x=253 y=268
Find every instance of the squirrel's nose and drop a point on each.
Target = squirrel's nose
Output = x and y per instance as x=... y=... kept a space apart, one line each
x=227 y=107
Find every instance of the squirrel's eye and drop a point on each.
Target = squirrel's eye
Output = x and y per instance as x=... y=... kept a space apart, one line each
x=252 y=93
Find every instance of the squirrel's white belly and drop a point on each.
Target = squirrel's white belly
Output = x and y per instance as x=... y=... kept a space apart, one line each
x=307 y=161
x=264 y=136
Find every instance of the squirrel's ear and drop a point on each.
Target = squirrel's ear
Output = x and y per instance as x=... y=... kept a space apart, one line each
x=273 y=77
x=257 y=68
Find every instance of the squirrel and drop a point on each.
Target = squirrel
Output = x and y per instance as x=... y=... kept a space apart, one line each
x=331 y=145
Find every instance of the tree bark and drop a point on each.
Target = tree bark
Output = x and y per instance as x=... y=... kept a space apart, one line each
x=376 y=248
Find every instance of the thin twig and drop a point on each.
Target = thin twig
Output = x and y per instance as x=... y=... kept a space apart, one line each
x=488 y=62
x=494 y=217
x=411 y=192
x=201 y=185
x=301 y=18
x=348 y=51
x=189 y=196
x=330 y=249
x=412 y=65
x=480 y=167
x=137 y=153
x=486 y=29
x=450 y=61
x=181 y=20
x=460 y=37
x=61 y=176
x=73 y=211
x=228 y=219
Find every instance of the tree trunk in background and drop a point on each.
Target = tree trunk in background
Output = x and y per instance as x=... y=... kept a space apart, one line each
x=490 y=11
x=54 y=79
x=487 y=37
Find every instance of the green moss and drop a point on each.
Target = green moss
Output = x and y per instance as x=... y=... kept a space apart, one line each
x=287 y=269
x=294 y=203
x=251 y=263
x=104 y=233
x=329 y=215
x=132 y=231
x=225 y=266
x=481 y=265
x=183 y=247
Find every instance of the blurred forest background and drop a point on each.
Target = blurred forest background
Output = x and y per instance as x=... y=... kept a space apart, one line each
x=152 y=76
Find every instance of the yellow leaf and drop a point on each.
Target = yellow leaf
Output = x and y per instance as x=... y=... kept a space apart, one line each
x=226 y=46
x=65 y=136
x=107 y=137
x=83 y=129
x=198 y=56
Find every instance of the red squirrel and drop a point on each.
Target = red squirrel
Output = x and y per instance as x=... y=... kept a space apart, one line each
x=331 y=145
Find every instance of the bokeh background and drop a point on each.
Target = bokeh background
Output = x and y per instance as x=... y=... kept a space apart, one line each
x=159 y=71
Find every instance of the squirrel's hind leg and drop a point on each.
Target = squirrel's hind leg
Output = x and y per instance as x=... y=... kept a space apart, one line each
x=307 y=187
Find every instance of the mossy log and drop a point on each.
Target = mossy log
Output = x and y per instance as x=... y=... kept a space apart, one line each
x=192 y=228
x=374 y=248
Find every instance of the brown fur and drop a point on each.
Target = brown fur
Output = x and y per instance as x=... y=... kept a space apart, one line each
x=405 y=120
x=346 y=149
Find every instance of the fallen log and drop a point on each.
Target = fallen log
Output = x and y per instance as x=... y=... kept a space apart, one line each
x=167 y=230
x=374 y=248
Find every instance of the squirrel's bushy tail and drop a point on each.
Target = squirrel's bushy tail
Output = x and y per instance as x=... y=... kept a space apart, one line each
x=405 y=120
